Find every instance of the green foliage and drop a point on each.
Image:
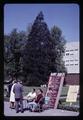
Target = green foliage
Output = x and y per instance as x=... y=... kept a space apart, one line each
x=59 y=43
x=39 y=55
x=34 y=54
x=13 y=46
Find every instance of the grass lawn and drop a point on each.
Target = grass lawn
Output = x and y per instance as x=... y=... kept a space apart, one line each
x=28 y=89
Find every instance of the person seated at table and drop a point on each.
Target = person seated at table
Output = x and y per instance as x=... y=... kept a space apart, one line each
x=33 y=105
x=31 y=96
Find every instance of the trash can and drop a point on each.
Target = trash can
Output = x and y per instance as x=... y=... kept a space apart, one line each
x=47 y=99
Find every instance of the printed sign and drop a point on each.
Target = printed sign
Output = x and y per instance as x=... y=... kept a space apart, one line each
x=54 y=88
x=72 y=93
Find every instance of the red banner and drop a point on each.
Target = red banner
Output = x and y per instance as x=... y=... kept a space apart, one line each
x=54 y=88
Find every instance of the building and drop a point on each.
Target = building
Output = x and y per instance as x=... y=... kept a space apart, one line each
x=72 y=64
x=71 y=57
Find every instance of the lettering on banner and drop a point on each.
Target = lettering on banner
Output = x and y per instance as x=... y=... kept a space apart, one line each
x=54 y=89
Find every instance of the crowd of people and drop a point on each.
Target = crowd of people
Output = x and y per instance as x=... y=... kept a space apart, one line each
x=34 y=98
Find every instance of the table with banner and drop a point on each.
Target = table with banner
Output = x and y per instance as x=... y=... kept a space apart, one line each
x=55 y=83
x=72 y=93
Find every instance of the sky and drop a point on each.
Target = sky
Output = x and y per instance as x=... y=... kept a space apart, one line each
x=64 y=16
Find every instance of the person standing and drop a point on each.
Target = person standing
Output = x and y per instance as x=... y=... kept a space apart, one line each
x=12 y=95
x=18 y=90
x=9 y=88
x=10 y=85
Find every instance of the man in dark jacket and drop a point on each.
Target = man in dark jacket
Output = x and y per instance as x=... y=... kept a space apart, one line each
x=18 y=89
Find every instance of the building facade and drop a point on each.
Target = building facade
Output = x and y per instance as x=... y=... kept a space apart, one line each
x=72 y=63
x=71 y=57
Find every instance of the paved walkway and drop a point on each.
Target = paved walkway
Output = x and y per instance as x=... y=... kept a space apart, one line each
x=51 y=112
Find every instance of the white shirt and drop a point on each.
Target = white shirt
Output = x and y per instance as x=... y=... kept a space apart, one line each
x=31 y=96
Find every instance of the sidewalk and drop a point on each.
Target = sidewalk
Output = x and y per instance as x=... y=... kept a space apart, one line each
x=51 y=112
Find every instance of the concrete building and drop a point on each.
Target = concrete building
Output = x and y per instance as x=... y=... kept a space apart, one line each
x=72 y=63
x=71 y=57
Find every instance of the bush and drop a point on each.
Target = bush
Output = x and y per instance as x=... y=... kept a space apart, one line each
x=70 y=108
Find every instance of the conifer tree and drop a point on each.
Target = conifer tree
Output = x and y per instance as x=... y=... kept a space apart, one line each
x=39 y=53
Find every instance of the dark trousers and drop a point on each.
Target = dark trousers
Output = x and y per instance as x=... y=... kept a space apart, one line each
x=17 y=101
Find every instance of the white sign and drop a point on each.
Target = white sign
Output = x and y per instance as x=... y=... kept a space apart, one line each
x=72 y=93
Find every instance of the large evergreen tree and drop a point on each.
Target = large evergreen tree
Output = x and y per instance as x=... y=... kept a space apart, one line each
x=59 y=43
x=39 y=58
x=34 y=54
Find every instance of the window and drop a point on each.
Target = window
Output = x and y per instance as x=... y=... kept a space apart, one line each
x=76 y=60
x=71 y=50
x=72 y=54
x=71 y=64
x=67 y=65
x=67 y=50
x=76 y=49
x=76 y=64
x=67 y=60
x=71 y=60
x=67 y=53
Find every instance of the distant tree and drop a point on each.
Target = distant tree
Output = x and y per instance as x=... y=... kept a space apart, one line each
x=13 y=52
x=6 y=46
x=6 y=54
x=22 y=38
x=39 y=58
x=35 y=53
x=28 y=29
x=59 y=43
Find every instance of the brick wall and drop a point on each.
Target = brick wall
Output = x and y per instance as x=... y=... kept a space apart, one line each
x=72 y=79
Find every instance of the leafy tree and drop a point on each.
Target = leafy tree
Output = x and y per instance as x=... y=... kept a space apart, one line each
x=28 y=30
x=35 y=53
x=14 y=45
x=39 y=58
x=59 y=43
x=6 y=54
